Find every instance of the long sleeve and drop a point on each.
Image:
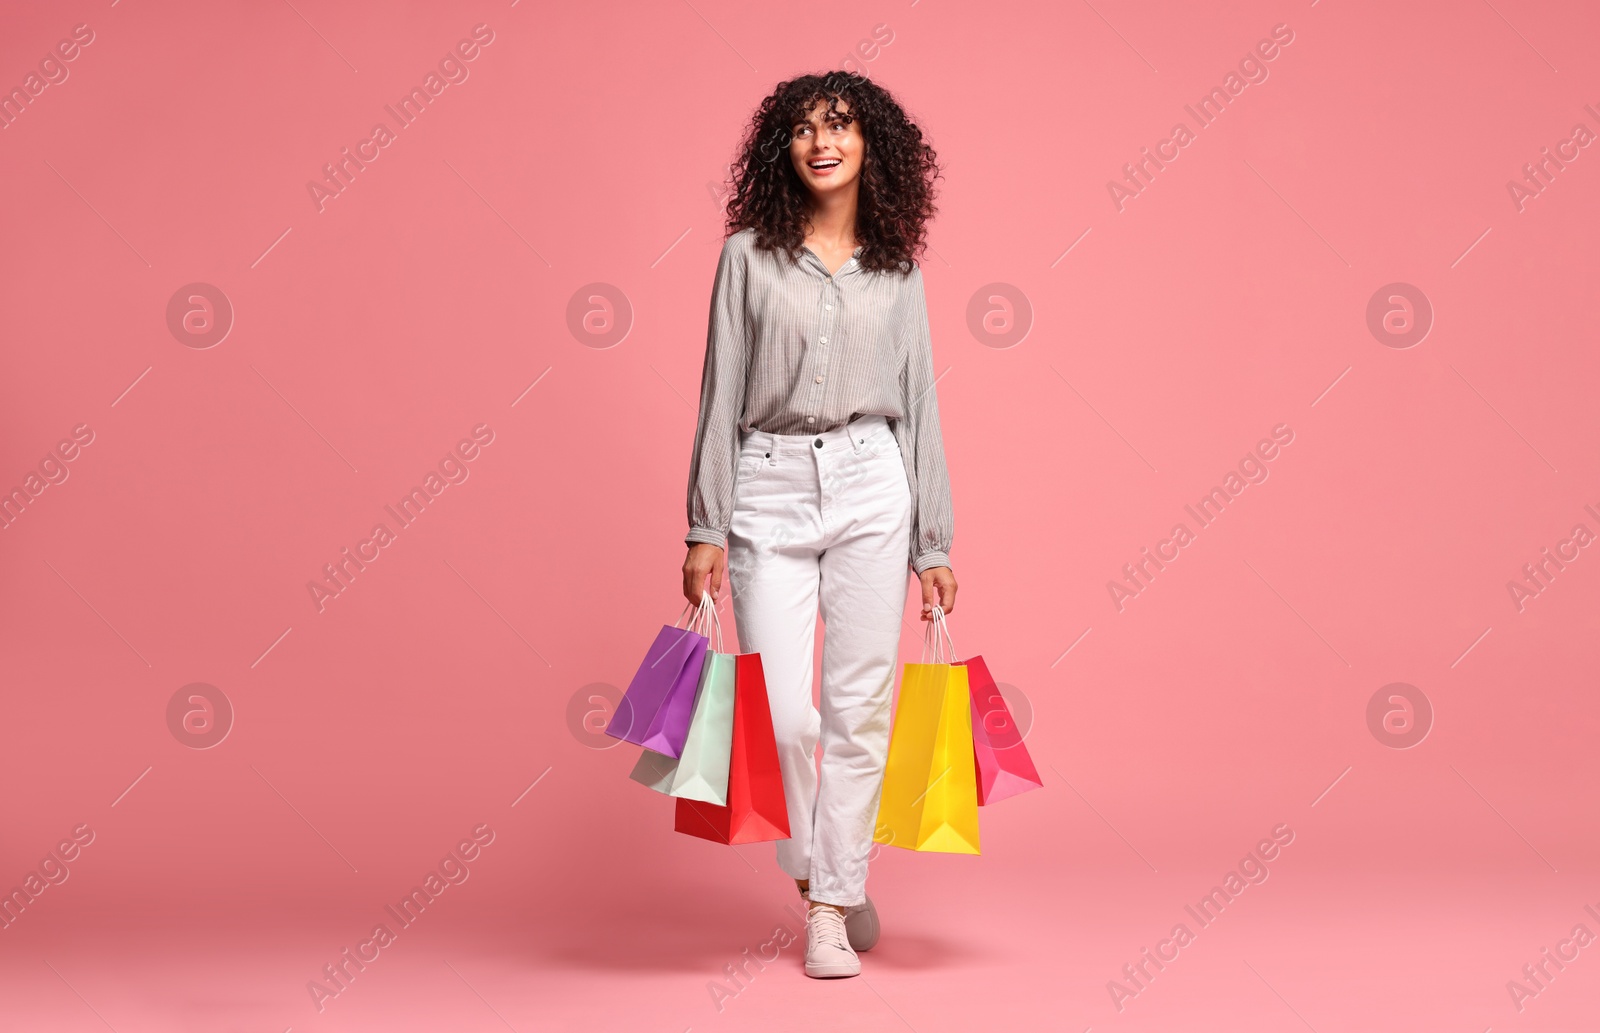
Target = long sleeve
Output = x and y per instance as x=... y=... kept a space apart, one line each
x=712 y=465
x=933 y=519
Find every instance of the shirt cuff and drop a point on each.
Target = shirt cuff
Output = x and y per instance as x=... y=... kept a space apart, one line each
x=929 y=560
x=707 y=536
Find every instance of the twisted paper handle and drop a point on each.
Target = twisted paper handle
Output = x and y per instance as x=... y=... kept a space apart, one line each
x=706 y=621
x=939 y=625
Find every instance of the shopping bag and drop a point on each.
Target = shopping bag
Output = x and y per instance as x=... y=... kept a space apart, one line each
x=654 y=770
x=1002 y=763
x=756 y=810
x=930 y=795
x=702 y=767
x=700 y=771
x=655 y=711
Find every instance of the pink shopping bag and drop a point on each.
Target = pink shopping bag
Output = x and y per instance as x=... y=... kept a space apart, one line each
x=1004 y=767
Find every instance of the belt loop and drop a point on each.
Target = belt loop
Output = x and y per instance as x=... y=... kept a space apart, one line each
x=853 y=429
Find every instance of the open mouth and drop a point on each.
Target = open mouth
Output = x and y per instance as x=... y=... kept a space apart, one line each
x=824 y=164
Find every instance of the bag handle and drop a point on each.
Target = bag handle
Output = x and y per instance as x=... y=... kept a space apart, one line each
x=931 y=642
x=706 y=621
x=713 y=622
x=944 y=626
x=931 y=645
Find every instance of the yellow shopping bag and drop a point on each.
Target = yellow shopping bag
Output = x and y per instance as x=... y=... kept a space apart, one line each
x=930 y=786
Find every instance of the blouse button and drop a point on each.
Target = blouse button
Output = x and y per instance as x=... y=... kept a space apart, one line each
x=823 y=340
x=819 y=380
x=827 y=308
x=811 y=419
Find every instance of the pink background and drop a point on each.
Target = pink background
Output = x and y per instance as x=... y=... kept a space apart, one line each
x=1163 y=341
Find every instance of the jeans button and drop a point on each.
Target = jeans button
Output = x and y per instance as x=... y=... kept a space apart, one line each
x=818 y=442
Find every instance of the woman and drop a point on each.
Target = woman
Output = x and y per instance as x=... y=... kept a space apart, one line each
x=818 y=463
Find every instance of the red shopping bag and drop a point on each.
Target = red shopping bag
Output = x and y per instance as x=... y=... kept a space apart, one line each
x=1003 y=765
x=756 y=810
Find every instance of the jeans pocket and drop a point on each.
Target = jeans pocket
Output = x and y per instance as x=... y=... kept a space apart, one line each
x=881 y=445
x=750 y=466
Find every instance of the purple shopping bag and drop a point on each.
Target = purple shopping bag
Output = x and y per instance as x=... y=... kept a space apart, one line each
x=655 y=711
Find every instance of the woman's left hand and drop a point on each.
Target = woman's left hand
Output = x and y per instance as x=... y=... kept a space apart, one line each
x=938 y=586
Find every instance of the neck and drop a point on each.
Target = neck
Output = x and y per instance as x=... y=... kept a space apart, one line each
x=833 y=218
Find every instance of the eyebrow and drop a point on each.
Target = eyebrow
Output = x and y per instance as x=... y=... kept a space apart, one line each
x=832 y=117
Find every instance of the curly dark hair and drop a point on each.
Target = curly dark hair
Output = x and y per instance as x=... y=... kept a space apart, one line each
x=897 y=172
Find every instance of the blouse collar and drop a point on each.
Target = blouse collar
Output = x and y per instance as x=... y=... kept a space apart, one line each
x=851 y=264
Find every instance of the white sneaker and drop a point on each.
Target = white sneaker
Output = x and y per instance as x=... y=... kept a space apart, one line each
x=860 y=923
x=828 y=951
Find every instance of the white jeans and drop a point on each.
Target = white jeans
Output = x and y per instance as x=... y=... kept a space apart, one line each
x=825 y=520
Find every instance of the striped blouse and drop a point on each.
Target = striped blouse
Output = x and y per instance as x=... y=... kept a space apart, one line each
x=775 y=325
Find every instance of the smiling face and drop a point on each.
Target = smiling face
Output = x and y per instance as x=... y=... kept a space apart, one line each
x=827 y=149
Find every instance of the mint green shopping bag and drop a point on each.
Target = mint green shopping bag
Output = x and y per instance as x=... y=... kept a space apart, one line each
x=700 y=772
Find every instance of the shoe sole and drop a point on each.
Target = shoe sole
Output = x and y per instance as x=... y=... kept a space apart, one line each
x=832 y=971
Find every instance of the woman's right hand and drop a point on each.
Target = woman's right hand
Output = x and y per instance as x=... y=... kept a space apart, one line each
x=703 y=561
